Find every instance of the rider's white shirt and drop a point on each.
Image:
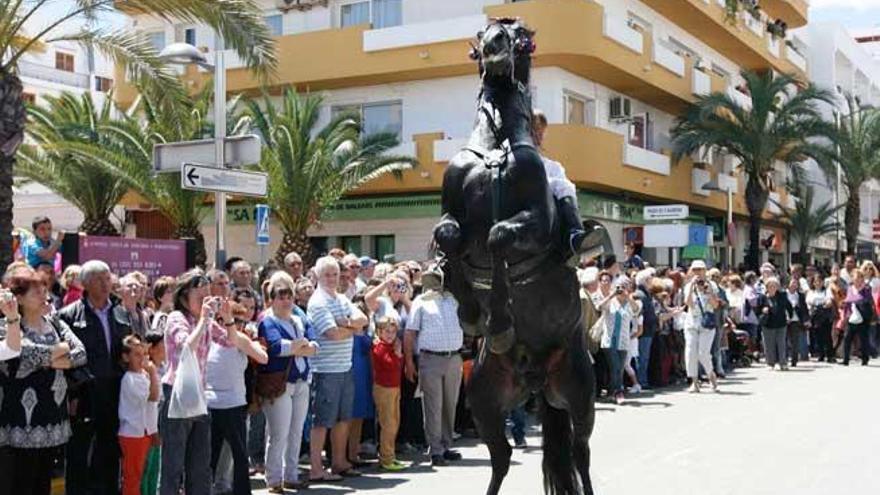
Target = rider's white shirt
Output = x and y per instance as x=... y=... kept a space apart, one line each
x=560 y=186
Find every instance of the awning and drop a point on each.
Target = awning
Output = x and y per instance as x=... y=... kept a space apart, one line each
x=695 y=252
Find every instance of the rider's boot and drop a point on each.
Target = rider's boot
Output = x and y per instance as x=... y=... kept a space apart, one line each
x=580 y=240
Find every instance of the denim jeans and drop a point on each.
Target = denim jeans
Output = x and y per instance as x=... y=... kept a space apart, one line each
x=644 y=359
x=230 y=425
x=257 y=438
x=186 y=453
x=518 y=422
x=615 y=365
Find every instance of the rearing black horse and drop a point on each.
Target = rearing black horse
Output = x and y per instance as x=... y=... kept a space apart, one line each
x=504 y=260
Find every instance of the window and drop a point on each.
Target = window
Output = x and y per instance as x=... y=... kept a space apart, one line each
x=353 y=14
x=387 y=13
x=189 y=36
x=29 y=98
x=640 y=131
x=351 y=244
x=377 y=117
x=579 y=110
x=380 y=13
x=157 y=39
x=383 y=245
x=64 y=61
x=276 y=24
x=103 y=84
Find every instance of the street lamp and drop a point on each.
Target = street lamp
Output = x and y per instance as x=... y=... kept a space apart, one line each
x=186 y=54
x=713 y=185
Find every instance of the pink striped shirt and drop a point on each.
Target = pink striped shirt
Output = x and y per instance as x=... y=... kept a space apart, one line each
x=177 y=330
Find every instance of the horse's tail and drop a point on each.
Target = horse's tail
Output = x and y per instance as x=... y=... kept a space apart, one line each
x=560 y=477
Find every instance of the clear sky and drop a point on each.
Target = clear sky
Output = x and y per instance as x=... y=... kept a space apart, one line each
x=853 y=14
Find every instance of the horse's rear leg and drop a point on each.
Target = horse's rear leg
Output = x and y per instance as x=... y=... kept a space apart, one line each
x=558 y=465
x=491 y=387
x=581 y=451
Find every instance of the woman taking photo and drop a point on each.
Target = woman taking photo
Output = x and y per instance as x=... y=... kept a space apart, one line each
x=283 y=384
x=820 y=303
x=701 y=299
x=860 y=308
x=620 y=310
x=33 y=413
x=197 y=320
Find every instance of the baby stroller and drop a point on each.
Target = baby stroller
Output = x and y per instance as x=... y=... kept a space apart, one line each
x=738 y=342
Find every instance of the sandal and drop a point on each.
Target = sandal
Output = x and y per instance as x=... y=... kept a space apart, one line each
x=326 y=478
x=350 y=473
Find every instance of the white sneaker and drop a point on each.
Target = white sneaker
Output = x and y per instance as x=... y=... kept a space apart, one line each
x=694 y=388
x=713 y=380
x=635 y=389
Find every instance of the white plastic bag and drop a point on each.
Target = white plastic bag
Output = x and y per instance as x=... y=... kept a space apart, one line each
x=187 y=396
x=855 y=317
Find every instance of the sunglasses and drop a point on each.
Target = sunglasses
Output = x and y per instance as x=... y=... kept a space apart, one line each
x=283 y=294
x=241 y=323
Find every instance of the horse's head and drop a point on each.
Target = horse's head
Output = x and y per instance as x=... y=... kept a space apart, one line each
x=504 y=51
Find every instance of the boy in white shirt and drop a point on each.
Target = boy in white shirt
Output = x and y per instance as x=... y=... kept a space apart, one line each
x=140 y=386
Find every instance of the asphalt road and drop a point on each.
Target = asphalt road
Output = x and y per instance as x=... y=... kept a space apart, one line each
x=808 y=431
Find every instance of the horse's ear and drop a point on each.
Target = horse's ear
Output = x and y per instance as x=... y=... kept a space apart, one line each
x=473 y=53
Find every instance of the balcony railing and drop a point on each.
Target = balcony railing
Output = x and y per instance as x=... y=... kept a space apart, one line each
x=773 y=45
x=738 y=96
x=669 y=59
x=619 y=30
x=796 y=58
x=51 y=74
x=702 y=83
x=644 y=159
x=423 y=33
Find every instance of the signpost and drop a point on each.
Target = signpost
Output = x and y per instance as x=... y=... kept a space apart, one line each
x=197 y=177
x=239 y=151
x=262 y=222
x=666 y=212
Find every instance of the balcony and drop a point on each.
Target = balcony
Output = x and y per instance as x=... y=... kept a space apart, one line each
x=53 y=75
x=744 y=100
x=641 y=158
x=576 y=35
x=794 y=12
x=744 y=41
x=796 y=58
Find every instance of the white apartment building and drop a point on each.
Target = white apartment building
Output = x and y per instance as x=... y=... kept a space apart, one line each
x=842 y=65
x=59 y=67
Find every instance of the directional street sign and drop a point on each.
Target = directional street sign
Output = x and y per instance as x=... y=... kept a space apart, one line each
x=240 y=151
x=262 y=222
x=197 y=177
x=666 y=212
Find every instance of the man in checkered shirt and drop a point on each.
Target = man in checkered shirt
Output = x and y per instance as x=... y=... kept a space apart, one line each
x=434 y=328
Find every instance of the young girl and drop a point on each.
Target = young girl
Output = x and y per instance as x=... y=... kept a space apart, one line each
x=150 y=478
x=140 y=386
x=387 y=354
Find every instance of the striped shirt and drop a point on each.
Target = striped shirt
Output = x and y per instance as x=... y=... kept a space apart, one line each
x=334 y=356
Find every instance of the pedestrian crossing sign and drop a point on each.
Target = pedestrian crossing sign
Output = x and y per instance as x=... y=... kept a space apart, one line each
x=262 y=221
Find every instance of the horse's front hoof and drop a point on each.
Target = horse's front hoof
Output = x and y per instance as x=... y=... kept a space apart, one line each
x=501 y=343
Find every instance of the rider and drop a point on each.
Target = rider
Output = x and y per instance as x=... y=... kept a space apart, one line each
x=564 y=191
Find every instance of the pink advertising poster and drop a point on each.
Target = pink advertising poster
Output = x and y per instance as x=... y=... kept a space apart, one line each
x=153 y=257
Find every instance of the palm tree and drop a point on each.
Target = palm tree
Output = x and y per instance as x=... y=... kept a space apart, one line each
x=91 y=188
x=154 y=120
x=777 y=128
x=310 y=170
x=239 y=22
x=809 y=222
x=856 y=139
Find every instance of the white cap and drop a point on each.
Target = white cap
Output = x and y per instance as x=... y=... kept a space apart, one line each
x=698 y=265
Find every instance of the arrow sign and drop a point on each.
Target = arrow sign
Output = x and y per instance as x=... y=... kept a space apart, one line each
x=240 y=151
x=197 y=177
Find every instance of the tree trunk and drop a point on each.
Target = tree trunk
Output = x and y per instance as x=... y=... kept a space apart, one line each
x=296 y=242
x=12 y=121
x=851 y=221
x=804 y=253
x=99 y=226
x=756 y=200
x=193 y=232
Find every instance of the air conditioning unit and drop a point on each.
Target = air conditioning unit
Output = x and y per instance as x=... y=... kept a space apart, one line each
x=621 y=108
x=285 y=5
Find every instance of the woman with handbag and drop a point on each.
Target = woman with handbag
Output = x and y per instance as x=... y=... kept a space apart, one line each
x=861 y=312
x=33 y=412
x=701 y=299
x=283 y=384
x=196 y=322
